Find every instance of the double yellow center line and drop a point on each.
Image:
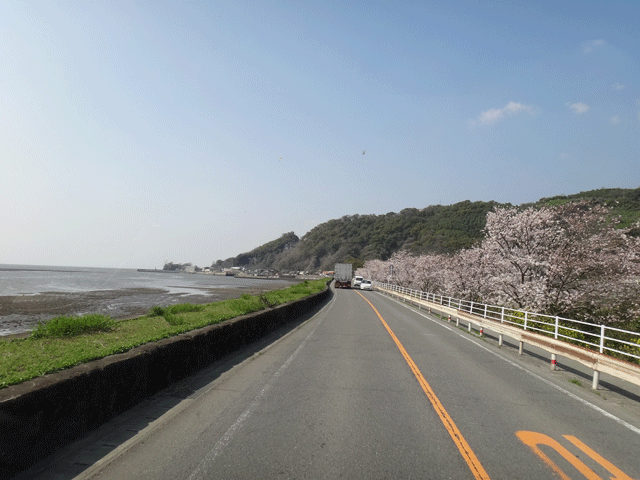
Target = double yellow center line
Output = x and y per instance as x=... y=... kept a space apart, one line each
x=464 y=448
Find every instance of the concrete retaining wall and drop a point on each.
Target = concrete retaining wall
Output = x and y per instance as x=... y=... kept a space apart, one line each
x=39 y=416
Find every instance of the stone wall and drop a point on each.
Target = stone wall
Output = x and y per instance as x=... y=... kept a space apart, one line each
x=39 y=416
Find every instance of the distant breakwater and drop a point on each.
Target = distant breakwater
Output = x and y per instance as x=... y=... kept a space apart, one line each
x=155 y=270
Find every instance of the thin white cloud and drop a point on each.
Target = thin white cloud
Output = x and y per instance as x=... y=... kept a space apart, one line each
x=615 y=120
x=578 y=107
x=618 y=86
x=493 y=115
x=587 y=47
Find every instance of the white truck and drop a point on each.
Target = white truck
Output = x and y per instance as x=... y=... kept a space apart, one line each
x=342 y=275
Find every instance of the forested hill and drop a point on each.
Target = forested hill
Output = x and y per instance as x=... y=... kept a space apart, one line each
x=437 y=229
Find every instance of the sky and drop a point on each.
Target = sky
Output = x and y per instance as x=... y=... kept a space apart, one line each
x=134 y=133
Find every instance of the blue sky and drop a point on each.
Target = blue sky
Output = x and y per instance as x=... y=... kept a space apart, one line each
x=138 y=132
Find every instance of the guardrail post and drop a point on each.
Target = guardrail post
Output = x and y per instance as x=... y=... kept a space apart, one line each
x=556 y=333
x=471 y=308
x=596 y=379
x=602 y=327
x=485 y=310
x=525 y=319
x=502 y=316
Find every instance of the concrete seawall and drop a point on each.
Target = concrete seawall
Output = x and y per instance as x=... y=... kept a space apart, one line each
x=39 y=416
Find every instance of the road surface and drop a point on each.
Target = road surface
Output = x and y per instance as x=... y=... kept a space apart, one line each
x=368 y=388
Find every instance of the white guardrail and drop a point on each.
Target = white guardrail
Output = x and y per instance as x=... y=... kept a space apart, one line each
x=599 y=346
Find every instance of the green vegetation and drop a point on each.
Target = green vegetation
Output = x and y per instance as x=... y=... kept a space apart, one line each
x=70 y=326
x=170 y=314
x=263 y=256
x=434 y=229
x=623 y=202
x=52 y=349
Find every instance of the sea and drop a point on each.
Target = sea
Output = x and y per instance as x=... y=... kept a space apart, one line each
x=160 y=287
x=35 y=279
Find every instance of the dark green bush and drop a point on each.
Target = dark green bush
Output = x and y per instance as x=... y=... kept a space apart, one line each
x=156 y=311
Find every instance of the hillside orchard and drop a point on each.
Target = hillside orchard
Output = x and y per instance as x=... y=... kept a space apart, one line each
x=567 y=260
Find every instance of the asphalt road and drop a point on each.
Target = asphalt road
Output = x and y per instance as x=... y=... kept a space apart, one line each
x=367 y=388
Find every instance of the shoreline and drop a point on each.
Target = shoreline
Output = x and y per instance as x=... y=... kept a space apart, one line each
x=23 y=269
x=19 y=314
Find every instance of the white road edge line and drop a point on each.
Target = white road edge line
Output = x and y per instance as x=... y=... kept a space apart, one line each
x=101 y=464
x=200 y=472
x=618 y=420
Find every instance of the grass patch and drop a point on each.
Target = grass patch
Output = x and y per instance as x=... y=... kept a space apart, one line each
x=26 y=358
x=171 y=313
x=71 y=326
x=576 y=382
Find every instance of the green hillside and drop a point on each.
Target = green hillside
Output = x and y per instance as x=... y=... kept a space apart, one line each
x=624 y=203
x=434 y=229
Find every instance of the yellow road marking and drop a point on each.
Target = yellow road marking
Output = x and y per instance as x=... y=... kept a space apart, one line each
x=619 y=474
x=464 y=448
x=534 y=439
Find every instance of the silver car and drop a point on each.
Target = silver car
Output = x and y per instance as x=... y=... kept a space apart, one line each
x=366 y=285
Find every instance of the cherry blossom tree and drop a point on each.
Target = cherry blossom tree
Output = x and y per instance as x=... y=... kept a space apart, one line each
x=559 y=260
x=403 y=268
x=568 y=260
x=430 y=272
x=375 y=270
x=466 y=275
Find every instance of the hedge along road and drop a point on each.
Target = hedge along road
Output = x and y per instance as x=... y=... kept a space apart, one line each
x=368 y=388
